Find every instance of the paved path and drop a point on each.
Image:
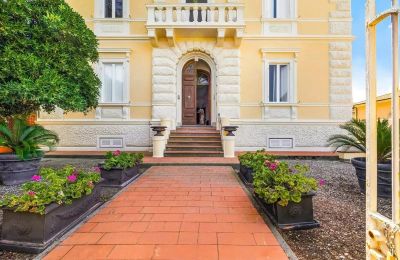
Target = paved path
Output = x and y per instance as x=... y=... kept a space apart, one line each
x=176 y=213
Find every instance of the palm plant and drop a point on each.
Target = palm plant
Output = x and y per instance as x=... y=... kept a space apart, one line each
x=25 y=140
x=356 y=138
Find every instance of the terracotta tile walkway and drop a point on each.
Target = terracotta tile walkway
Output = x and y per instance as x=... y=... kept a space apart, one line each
x=176 y=213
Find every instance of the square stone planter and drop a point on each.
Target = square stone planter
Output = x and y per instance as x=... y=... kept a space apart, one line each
x=294 y=216
x=32 y=233
x=117 y=179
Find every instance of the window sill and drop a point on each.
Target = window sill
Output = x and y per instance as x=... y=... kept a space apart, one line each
x=115 y=104
x=279 y=104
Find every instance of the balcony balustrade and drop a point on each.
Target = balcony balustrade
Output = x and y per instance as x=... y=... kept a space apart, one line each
x=220 y=17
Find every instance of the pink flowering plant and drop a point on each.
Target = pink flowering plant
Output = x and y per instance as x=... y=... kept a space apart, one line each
x=122 y=160
x=61 y=186
x=255 y=160
x=277 y=182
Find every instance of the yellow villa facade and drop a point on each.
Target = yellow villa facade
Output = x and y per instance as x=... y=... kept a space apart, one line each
x=278 y=69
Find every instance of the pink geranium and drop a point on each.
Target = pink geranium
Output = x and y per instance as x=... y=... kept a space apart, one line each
x=271 y=165
x=31 y=193
x=72 y=178
x=36 y=178
x=117 y=153
x=322 y=182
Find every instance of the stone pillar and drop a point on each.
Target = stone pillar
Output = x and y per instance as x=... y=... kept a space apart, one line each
x=340 y=53
x=158 y=146
x=228 y=143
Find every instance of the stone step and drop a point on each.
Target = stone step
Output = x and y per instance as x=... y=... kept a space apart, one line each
x=194 y=138
x=199 y=143
x=193 y=148
x=194 y=134
x=194 y=154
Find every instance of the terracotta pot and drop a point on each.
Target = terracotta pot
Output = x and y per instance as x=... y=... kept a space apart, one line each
x=31 y=119
x=5 y=150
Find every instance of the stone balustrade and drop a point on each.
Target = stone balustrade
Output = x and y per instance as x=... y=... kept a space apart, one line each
x=209 y=15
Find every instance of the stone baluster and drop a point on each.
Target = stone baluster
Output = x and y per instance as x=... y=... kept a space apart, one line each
x=151 y=15
x=230 y=14
x=179 y=14
x=196 y=13
x=221 y=14
x=168 y=14
x=204 y=14
x=210 y=15
x=239 y=15
x=158 y=15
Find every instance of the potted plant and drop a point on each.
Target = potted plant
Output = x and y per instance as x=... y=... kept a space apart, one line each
x=286 y=194
x=25 y=142
x=120 y=168
x=49 y=205
x=250 y=162
x=355 y=139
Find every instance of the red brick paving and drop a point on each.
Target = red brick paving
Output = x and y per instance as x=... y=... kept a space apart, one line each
x=176 y=213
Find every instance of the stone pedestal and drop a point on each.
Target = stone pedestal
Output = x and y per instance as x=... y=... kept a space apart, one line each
x=158 y=146
x=228 y=143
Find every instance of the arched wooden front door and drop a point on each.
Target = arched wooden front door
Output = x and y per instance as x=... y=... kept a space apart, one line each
x=189 y=78
x=195 y=95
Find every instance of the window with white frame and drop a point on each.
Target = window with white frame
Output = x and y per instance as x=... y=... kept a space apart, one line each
x=279 y=82
x=279 y=9
x=114 y=82
x=113 y=9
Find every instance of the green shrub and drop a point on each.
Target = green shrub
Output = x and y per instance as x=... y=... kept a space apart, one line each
x=122 y=160
x=276 y=182
x=25 y=140
x=255 y=160
x=61 y=186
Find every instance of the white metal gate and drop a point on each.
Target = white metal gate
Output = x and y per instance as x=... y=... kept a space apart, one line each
x=383 y=234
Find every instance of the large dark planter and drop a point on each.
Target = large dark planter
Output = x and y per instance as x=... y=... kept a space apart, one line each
x=384 y=177
x=294 y=216
x=14 y=171
x=246 y=174
x=118 y=177
x=33 y=233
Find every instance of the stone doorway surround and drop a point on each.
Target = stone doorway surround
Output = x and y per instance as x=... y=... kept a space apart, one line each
x=167 y=78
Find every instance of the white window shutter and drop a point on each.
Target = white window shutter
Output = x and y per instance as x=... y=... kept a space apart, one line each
x=284 y=9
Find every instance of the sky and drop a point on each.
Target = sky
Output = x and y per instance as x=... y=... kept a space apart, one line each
x=384 y=68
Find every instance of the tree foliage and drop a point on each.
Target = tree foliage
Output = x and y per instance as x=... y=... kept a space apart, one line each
x=46 y=52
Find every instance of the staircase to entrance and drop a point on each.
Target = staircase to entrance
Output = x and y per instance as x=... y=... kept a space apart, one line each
x=194 y=141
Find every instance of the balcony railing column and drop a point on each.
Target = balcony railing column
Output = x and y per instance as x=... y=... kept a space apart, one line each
x=210 y=16
x=203 y=14
x=168 y=14
x=151 y=15
x=158 y=15
x=221 y=14
x=239 y=14
x=195 y=14
x=178 y=14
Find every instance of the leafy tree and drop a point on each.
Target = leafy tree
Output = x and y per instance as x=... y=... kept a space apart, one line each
x=46 y=52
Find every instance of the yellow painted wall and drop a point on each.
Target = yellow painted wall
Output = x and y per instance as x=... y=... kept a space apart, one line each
x=383 y=110
x=312 y=57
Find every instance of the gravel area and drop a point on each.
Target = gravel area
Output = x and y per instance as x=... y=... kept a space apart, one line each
x=340 y=208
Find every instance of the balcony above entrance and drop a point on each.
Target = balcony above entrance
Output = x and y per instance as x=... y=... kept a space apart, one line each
x=195 y=20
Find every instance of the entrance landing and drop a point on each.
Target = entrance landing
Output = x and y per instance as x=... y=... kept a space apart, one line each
x=176 y=213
